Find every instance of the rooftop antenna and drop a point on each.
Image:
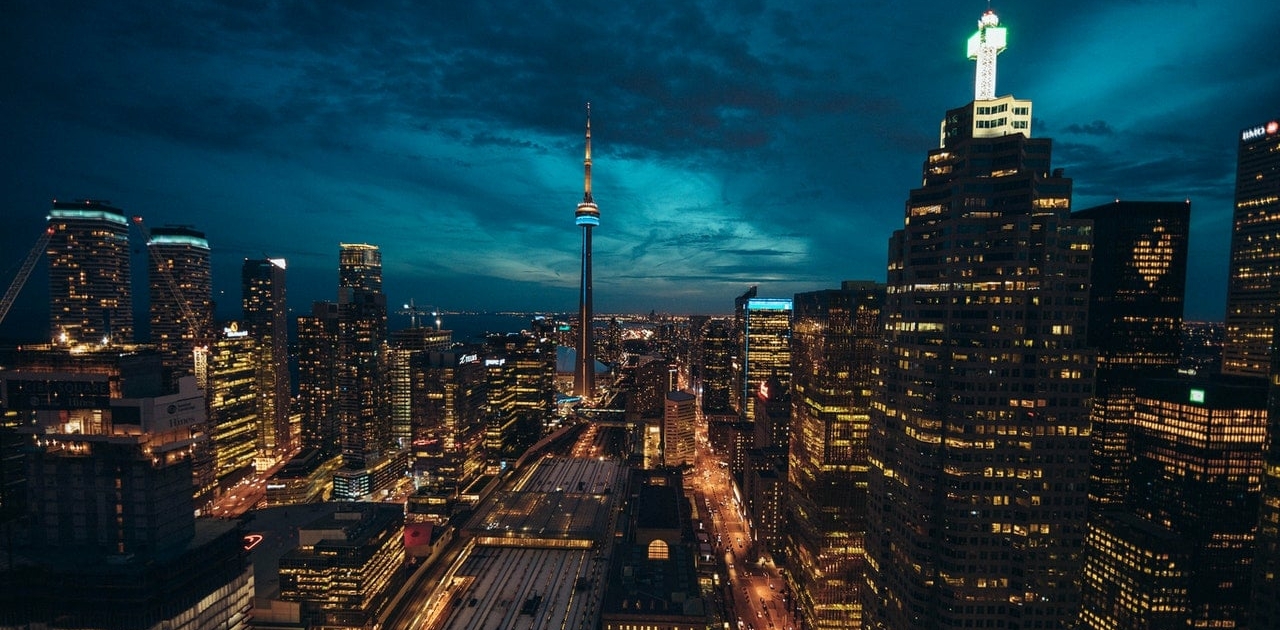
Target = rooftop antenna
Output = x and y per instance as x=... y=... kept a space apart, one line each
x=984 y=46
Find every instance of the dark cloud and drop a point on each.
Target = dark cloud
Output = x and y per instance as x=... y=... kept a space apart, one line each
x=1095 y=128
x=757 y=252
x=735 y=142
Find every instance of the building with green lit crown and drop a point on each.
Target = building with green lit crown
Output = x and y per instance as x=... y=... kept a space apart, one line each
x=978 y=444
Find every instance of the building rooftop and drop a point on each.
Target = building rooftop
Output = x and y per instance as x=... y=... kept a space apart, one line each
x=658 y=507
x=560 y=502
x=680 y=396
x=541 y=551
x=273 y=532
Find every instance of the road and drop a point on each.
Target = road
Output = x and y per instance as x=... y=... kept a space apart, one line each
x=755 y=593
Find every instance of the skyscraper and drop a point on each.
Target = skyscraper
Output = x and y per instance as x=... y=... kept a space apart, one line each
x=181 y=289
x=1197 y=454
x=262 y=294
x=405 y=348
x=1253 y=282
x=766 y=347
x=764 y=482
x=233 y=394
x=1135 y=574
x=318 y=378
x=738 y=360
x=362 y=334
x=679 y=414
x=90 y=299
x=521 y=387
x=979 y=431
x=717 y=352
x=834 y=339
x=109 y=537
x=1139 y=275
x=1264 y=609
x=449 y=389
x=587 y=216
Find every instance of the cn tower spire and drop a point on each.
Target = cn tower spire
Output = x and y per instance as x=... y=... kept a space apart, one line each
x=586 y=217
x=984 y=45
x=586 y=163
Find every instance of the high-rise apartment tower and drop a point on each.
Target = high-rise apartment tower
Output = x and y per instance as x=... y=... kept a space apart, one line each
x=318 y=378
x=181 y=289
x=90 y=298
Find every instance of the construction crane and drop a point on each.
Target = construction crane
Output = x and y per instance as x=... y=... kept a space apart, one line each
x=414 y=312
x=20 y=280
x=196 y=324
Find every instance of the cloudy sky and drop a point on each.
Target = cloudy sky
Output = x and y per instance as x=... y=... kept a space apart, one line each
x=735 y=142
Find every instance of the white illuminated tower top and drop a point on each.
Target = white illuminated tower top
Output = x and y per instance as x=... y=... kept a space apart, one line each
x=984 y=45
x=588 y=214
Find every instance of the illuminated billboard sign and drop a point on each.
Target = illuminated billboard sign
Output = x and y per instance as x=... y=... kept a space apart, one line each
x=60 y=393
x=157 y=415
x=174 y=414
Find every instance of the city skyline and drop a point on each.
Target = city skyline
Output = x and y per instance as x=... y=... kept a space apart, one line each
x=736 y=145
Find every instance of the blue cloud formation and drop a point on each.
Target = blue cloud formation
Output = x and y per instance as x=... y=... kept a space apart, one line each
x=735 y=143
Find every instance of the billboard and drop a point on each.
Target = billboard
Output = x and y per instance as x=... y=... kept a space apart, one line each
x=172 y=412
x=30 y=392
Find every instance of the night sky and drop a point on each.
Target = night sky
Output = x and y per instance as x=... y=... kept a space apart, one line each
x=734 y=143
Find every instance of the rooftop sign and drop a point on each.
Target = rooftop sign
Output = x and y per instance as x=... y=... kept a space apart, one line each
x=1260 y=131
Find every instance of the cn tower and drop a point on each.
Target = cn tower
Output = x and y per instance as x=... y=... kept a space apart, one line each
x=587 y=216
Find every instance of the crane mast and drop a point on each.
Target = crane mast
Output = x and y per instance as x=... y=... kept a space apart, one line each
x=196 y=326
x=414 y=312
x=20 y=280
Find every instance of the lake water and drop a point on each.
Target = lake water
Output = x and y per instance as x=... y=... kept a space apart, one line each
x=473 y=326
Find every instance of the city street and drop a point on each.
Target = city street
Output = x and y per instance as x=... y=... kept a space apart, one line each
x=754 y=592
